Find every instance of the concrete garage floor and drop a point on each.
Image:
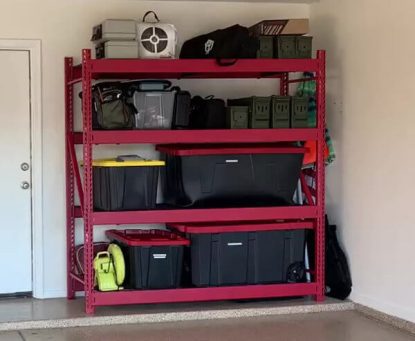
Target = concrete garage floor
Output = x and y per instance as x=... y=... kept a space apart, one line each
x=29 y=313
x=326 y=326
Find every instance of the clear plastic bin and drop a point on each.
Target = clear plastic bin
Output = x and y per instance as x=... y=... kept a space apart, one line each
x=154 y=109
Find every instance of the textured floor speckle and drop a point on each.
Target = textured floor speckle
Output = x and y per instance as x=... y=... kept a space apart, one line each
x=328 y=326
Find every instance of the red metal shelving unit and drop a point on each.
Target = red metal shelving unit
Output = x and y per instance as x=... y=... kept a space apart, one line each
x=311 y=215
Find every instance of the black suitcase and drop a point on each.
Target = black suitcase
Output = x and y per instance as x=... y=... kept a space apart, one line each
x=208 y=113
x=229 y=43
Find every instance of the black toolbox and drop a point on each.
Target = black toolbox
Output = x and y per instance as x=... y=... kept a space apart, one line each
x=125 y=183
x=240 y=254
x=230 y=175
x=153 y=258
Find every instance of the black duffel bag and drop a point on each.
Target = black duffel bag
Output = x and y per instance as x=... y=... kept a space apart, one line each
x=207 y=113
x=229 y=43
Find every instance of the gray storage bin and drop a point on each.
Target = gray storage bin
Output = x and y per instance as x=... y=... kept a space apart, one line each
x=114 y=29
x=117 y=50
x=154 y=109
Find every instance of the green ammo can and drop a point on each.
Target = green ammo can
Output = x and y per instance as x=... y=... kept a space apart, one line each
x=266 y=47
x=280 y=111
x=285 y=47
x=293 y=47
x=304 y=47
x=237 y=117
x=299 y=112
x=259 y=110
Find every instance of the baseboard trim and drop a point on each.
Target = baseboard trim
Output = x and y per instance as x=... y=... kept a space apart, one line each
x=386 y=318
x=52 y=294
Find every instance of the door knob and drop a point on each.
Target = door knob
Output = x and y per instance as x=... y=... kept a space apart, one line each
x=25 y=185
x=24 y=166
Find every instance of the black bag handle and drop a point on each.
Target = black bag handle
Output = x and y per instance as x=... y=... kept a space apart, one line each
x=151 y=12
x=226 y=62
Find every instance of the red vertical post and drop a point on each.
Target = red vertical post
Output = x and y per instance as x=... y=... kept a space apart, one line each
x=284 y=84
x=320 y=184
x=87 y=160
x=70 y=191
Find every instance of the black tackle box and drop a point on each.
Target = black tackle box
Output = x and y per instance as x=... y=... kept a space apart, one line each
x=230 y=175
x=125 y=183
x=153 y=258
x=240 y=254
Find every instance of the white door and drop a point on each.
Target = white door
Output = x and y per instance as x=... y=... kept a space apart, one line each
x=15 y=173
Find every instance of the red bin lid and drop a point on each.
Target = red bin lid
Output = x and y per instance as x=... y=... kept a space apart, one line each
x=241 y=227
x=226 y=149
x=146 y=237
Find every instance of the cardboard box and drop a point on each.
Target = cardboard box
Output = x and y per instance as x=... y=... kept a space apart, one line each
x=280 y=27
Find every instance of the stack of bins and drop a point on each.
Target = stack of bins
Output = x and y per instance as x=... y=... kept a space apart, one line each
x=243 y=254
x=153 y=257
x=115 y=38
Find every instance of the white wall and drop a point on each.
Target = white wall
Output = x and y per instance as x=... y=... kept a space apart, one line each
x=371 y=116
x=64 y=26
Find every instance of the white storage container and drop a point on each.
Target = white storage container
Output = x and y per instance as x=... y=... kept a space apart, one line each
x=156 y=39
x=117 y=50
x=114 y=29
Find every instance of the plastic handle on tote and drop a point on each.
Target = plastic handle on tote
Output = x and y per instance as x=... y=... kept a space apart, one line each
x=151 y=12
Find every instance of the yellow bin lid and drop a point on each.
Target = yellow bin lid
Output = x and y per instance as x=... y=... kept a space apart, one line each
x=127 y=161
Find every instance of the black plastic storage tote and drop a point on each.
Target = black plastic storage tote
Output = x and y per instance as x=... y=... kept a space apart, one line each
x=231 y=175
x=153 y=257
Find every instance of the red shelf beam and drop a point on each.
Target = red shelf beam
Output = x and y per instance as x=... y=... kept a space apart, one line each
x=204 y=215
x=194 y=68
x=203 y=294
x=200 y=136
x=77 y=278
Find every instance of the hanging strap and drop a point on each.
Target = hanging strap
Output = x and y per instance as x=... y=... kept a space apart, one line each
x=155 y=16
x=226 y=62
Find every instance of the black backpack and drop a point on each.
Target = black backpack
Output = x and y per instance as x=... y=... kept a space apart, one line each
x=229 y=43
x=338 y=278
x=337 y=273
x=110 y=107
